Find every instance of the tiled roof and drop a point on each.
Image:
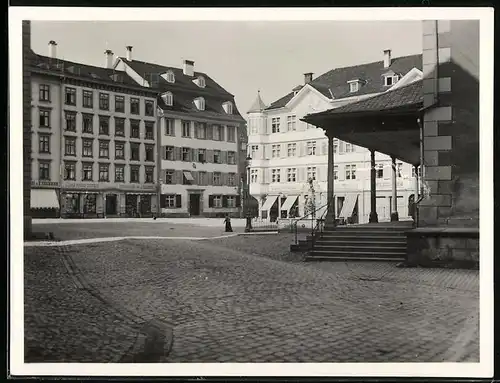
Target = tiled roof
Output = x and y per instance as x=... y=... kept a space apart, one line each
x=334 y=84
x=258 y=105
x=84 y=71
x=406 y=96
x=184 y=90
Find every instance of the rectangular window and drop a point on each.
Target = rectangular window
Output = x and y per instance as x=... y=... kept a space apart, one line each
x=87 y=170
x=379 y=171
x=169 y=127
x=349 y=147
x=186 y=128
x=231 y=134
x=150 y=130
x=149 y=153
x=253 y=150
x=231 y=179
x=119 y=173
x=292 y=150
x=169 y=153
x=70 y=96
x=169 y=201
x=218 y=133
x=87 y=146
x=103 y=149
x=276 y=149
x=217 y=157
x=149 y=174
x=70 y=121
x=231 y=158
x=134 y=105
x=419 y=171
x=217 y=178
x=119 y=127
x=88 y=97
x=149 y=107
x=311 y=173
x=70 y=146
x=104 y=172
x=350 y=172
x=217 y=201
x=202 y=156
x=119 y=150
x=134 y=174
x=291 y=123
x=135 y=130
x=120 y=104
x=87 y=123
x=291 y=174
x=275 y=125
x=253 y=176
x=44 y=171
x=104 y=125
x=399 y=169
x=44 y=118
x=202 y=130
x=169 y=177
x=231 y=201
x=70 y=171
x=311 y=148
x=335 y=145
x=44 y=92
x=275 y=175
x=44 y=143
x=335 y=172
x=202 y=178
x=104 y=101
x=134 y=151
x=186 y=154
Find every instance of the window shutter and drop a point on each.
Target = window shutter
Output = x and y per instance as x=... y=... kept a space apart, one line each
x=324 y=148
x=162 y=201
x=211 y=200
x=210 y=156
x=195 y=127
x=178 y=201
x=164 y=150
x=341 y=172
x=238 y=201
x=177 y=153
x=210 y=131
x=224 y=201
x=210 y=178
x=194 y=155
x=179 y=174
x=223 y=133
x=223 y=157
x=341 y=146
x=283 y=150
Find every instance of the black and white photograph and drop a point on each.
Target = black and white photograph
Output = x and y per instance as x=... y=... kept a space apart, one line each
x=294 y=192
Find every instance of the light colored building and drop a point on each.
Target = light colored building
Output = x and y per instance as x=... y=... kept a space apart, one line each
x=199 y=139
x=286 y=152
x=93 y=135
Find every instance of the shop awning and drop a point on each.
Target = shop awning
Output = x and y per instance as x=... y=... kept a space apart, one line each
x=290 y=200
x=348 y=206
x=269 y=202
x=44 y=199
x=188 y=176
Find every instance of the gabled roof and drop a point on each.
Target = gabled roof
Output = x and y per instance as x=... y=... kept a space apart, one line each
x=334 y=83
x=258 y=105
x=89 y=72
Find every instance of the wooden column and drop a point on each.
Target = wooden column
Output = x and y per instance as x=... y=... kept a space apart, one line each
x=373 y=189
x=330 y=215
x=394 y=207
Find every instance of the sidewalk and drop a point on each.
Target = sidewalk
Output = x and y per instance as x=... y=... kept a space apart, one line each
x=210 y=222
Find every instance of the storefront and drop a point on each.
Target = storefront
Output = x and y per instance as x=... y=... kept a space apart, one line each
x=44 y=203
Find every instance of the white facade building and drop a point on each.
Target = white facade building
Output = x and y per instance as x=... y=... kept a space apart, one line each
x=287 y=152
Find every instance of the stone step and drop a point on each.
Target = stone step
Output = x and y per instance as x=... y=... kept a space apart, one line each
x=366 y=243
x=353 y=248
x=363 y=254
x=363 y=238
x=365 y=231
x=337 y=258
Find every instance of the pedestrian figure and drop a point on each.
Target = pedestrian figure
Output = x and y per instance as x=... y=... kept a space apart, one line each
x=227 y=221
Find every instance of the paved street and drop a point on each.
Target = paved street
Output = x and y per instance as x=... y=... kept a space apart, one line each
x=241 y=299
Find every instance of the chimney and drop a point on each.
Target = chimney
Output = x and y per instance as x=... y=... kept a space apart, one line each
x=387 y=58
x=52 y=49
x=109 y=58
x=189 y=68
x=308 y=77
x=129 y=53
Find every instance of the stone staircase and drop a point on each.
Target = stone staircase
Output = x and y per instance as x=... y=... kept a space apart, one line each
x=368 y=242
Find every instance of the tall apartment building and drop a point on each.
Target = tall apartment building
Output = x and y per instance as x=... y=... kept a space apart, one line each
x=286 y=152
x=198 y=137
x=93 y=134
x=26 y=42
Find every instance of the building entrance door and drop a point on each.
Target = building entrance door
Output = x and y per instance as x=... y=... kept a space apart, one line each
x=111 y=204
x=194 y=204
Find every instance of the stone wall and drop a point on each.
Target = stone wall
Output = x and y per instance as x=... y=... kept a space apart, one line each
x=26 y=42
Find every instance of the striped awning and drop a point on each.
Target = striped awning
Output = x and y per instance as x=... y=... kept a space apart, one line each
x=188 y=176
x=44 y=199
x=269 y=202
x=290 y=200
x=348 y=206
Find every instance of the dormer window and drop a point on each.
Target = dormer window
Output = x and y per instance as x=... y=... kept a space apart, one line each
x=200 y=81
x=353 y=87
x=168 y=98
x=228 y=107
x=390 y=80
x=200 y=103
x=169 y=76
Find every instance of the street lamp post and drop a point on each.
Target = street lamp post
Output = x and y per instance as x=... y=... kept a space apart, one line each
x=248 y=226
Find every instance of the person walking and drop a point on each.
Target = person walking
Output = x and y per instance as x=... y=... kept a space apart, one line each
x=227 y=222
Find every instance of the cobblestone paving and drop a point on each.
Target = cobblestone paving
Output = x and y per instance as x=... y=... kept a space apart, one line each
x=228 y=305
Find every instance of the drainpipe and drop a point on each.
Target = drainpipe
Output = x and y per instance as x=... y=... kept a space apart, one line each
x=422 y=169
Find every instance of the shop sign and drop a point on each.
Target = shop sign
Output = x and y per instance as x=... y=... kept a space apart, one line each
x=47 y=184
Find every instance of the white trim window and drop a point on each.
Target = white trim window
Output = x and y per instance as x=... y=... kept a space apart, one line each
x=169 y=76
x=253 y=126
x=291 y=122
x=391 y=80
x=292 y=150
x=275 y=125
x=253 y=150
x=349 y=148
x=186 y=129
x=231 y=179
x=335 y=172
x=200 y=81
x=231 y=158
x=399 y=169
x=311 y=148
x=170 y=201
x=379 y=171
x=291 y=175
x=276 y=150
x=350 y=172
x=200 y=103
x=275 y=175
x=228 y=107
x=353 y=87
x=168 y=98
x=335 y=145
x=253 y=176
x=169 y=127
x=231 y=201
x=217 y=201
x=311 y=173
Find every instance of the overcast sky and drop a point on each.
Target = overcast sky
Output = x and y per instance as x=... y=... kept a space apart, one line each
x=243 y=57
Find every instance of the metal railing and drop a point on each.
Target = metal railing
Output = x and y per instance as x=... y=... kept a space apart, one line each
x=310 y=215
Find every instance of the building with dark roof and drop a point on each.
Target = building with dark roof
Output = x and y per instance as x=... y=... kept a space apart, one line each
x=287 y=153
x=202 y=150
x=94 y=140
